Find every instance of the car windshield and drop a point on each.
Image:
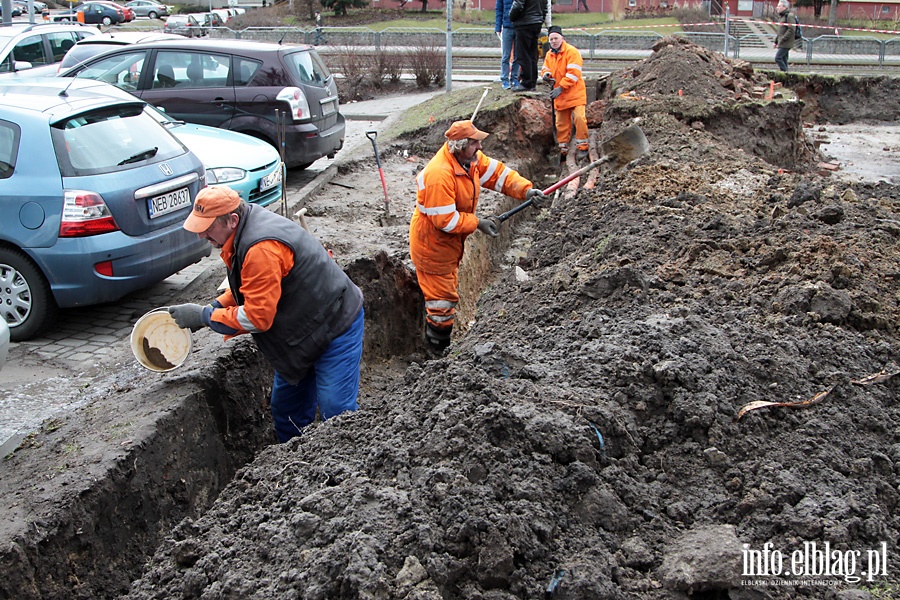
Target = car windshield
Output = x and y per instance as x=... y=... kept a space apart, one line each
x=109 y=139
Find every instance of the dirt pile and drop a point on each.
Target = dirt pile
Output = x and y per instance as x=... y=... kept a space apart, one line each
x=582 y=440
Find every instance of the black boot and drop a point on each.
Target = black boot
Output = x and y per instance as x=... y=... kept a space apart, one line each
x=437 y=340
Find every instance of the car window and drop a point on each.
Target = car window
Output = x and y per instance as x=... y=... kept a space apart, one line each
x=31 y=49
x=122 y=70
x=193 y=69
x=111 y=139
x=9 y=147
x=308 y=68
x=244 y=70
x=60 y=43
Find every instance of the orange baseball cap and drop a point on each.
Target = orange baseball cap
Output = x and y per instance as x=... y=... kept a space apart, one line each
x=461 y=130
x=211 y=202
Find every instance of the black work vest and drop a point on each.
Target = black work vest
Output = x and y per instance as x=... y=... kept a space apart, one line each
x=318 y=301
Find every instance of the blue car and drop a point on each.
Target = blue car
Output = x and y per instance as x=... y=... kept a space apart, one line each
x=93 y=194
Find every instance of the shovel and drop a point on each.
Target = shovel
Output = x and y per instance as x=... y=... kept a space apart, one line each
x=387 y=219
x=620 y=149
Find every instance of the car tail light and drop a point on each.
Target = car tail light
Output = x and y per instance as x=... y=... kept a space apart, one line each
x=296 y=99
x=84 y=214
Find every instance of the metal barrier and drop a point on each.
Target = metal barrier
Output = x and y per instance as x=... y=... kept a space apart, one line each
x=609 y=44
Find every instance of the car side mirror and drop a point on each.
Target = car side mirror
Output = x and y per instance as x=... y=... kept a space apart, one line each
x=22 y=65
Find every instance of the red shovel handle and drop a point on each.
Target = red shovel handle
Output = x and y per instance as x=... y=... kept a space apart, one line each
x=554 y=187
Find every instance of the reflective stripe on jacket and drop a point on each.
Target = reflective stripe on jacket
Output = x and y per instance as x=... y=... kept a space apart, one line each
x=446 y=200
x=565 y=67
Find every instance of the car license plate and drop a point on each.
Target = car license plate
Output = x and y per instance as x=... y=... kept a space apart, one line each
x=329 y=108
x=270 y=180
x=169 y=202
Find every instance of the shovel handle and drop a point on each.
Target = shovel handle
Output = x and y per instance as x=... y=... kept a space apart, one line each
x=372 y=135
x=554 y=187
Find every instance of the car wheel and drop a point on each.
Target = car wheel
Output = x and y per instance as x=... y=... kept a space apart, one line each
x=25 y=299
x=152 y=15
x=107 y=21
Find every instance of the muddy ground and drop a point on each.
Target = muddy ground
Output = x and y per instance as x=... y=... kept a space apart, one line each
x=592 y=431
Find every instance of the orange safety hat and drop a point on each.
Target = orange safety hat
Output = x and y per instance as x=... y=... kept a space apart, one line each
x=461 y=130
x=211 y=202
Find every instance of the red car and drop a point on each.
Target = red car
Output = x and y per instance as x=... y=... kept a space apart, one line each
x=126 y=12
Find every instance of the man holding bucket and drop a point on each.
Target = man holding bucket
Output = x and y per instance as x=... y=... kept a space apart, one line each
x=285 y=290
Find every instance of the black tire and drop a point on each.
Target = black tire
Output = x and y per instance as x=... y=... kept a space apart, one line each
x=25 y=298
x=152 y=15
x=106 y=21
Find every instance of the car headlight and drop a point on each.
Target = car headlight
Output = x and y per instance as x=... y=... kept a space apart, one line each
x=224 y=175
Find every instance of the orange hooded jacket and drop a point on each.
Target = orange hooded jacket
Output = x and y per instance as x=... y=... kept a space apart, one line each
x=565 y=67
x=445 y=206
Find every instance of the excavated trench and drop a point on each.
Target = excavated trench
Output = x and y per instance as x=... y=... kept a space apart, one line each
x=93 y=541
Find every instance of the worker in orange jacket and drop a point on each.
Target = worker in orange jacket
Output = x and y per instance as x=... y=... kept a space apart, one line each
x=284 y=289
x=562 y=70
x=446 y=200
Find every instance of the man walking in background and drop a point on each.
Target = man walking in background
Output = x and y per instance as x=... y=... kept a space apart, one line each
x=562 y=70
x=319 y=36
x=527 y=17
x=503 y=27
x=784 y=39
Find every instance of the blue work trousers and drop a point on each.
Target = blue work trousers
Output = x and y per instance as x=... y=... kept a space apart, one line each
x=781 y=58
x=509 y=75
x=331 y=385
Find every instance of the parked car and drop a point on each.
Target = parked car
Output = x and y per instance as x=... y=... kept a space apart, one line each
x=100 y=43
x=14 y=11
x=208 y=20
x=92 y=13
x=249 y=166
x=233 y=84
x=100 y=215
x=148 y=8
x=35 y=50
x=23 y=6
x=185 y=25
x=4 y=342
x=126 y=12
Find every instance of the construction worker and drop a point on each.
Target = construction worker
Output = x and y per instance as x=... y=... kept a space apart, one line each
x=302 y=310
x=446 y=200
x=562 y=70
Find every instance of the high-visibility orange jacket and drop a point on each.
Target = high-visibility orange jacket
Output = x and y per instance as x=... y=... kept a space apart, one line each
x=445 y=206
x=565 y=67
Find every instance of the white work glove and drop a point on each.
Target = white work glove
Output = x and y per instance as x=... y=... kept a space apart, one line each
x=188 y=316
x=499 y=37
x=547 y=79
x=537 y=197
x=489 y=226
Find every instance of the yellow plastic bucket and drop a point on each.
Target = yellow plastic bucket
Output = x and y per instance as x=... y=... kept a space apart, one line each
x=158 y=343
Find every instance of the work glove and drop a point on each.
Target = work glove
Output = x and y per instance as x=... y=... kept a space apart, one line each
x=547 y=79
x=188 y=316
x=537 y=197
x=489 y=226
x=499 y=37
x=555 y=92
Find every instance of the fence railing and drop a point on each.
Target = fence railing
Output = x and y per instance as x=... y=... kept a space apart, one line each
x=606 y=44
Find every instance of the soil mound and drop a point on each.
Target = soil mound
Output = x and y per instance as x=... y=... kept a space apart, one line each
x=590 y=436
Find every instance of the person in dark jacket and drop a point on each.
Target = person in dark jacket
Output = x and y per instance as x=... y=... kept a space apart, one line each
x=509 y=73
x=784 y=39
x=302 y=310
x=527 y=17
